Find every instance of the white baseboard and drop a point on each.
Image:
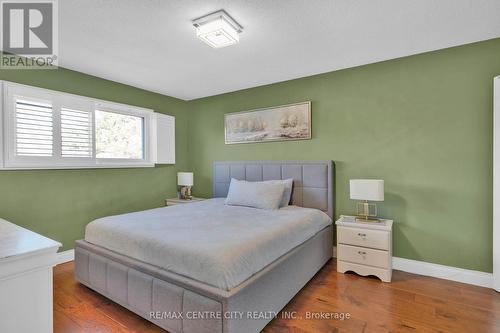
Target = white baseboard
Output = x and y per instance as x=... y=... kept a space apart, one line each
x=468 y=276
x=477 y=278
x=65 y=256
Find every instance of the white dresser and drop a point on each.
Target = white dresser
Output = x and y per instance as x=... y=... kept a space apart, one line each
x=364 y=247
x=26 y=261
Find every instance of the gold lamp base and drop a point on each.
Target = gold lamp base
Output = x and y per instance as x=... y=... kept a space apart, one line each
x=366 y=212
x=185 y=193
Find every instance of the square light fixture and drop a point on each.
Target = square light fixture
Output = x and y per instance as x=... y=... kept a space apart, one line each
x=218 y=29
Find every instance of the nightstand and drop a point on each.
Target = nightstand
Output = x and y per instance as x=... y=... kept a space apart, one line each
x=364 y=247
x=177 y=201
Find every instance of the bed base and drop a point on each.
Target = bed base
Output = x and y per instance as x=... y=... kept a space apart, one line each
x=182 y=305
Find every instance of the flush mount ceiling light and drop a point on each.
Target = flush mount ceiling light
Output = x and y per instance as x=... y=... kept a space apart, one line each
x=218 y=29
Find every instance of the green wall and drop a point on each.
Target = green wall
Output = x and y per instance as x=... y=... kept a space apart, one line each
x=422 y=123
x=59 y=203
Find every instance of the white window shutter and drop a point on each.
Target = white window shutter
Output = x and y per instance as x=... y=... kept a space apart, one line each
x=165 y=139
x=34 y=128
x=76 y=133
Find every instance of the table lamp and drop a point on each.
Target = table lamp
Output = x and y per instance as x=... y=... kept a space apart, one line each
x=366 y=190
x=185 y=181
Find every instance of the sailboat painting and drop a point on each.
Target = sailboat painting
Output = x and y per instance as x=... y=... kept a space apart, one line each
x=279 y=123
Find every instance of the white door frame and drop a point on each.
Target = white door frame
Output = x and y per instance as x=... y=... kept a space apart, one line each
x=496 y=183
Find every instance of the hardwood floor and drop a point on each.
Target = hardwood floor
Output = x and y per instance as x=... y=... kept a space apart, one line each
x=411 y=303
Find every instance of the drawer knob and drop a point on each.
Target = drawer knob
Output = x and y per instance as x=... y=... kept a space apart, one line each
x=361 y=235
x=362 y=252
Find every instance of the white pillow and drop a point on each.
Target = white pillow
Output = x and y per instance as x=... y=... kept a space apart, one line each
x=287 y=193
x=264 y=195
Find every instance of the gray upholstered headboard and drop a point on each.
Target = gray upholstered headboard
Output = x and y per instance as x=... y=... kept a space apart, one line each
x=313 y=183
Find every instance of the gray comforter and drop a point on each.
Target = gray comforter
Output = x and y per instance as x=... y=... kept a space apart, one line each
x=208 y=241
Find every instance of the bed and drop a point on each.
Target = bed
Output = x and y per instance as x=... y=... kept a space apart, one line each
x=209 y=267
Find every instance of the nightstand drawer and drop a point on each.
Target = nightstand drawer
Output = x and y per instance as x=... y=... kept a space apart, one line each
x=364 y=256
x=376 y=239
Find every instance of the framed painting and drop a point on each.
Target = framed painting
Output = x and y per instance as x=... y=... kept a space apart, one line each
x=278 y=123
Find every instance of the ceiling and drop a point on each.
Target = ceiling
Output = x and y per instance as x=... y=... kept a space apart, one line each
x=151 y=44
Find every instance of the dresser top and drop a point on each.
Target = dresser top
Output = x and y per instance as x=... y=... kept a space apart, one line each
x=16 y=241
x=350 y=221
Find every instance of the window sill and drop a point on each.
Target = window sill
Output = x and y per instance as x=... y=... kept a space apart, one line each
x=67 y=167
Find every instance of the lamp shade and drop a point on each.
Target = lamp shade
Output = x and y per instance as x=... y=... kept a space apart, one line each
x=367 y=189
x=185 y=178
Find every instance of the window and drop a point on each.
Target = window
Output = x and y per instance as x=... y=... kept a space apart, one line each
x=50 y=129
x=118 y=135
